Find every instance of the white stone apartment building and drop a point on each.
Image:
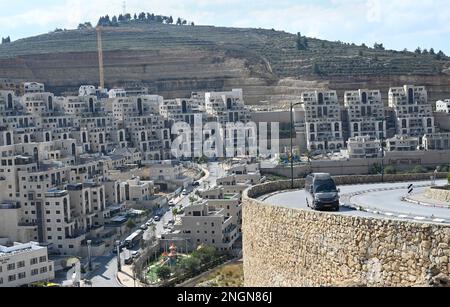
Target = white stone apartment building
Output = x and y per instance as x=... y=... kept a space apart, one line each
x=443 y=106
x=414 y=114
x=32 y=87
x=436 y=141
x=24 y=264
x=366 y=113
x=363 y=147
x=323 y=121
x=204 y=224
x=402 y=143
x=227 y=107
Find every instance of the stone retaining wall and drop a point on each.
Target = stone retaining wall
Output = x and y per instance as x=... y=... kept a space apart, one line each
x=438 y=194
x=289 y=247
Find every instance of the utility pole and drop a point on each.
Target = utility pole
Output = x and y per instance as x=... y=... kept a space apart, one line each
x=292 y=142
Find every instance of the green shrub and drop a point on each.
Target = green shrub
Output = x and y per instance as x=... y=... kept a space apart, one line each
x=390 y=170
x=163 y=272
x=448 y=178
x=419 y=169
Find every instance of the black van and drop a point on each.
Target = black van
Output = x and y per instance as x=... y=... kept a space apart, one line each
x=322 y=193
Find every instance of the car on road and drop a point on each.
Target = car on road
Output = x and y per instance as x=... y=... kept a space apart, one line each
x=321 y=191
x=196 y=184
x=144 y=227
x=149 y=223
x=157 y=218
x=135 y=254
x=171 y=203
x=185 y=192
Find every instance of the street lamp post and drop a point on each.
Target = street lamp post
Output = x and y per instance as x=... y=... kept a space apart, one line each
x=89 y=242
x=292 y=142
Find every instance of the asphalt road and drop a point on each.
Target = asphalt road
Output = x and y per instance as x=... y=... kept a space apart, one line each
x=105 y=274
x=383 y=199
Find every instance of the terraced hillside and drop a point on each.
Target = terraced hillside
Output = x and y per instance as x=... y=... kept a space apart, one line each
x=175 y=60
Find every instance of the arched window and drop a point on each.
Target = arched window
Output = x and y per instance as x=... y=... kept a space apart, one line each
x=364 y=97
x=336 y=127
x=25 y=138
x=355 y=127
x=380 y=126
x=100 y=138
x=143 y=136
x=74 y=149
x=47 y=137
x=312 y=128
x=10 y=101
x=121 y=138
x=118 y=193
x=50 y=102
x=36 y=155
x=65 y=136
x=411 y=96
x=84 y=137
x=139 y=106
x=429 y=123
x=91 y=105
x=184 y=106
x=320 y=98
x=8 y=138
x=229 y=104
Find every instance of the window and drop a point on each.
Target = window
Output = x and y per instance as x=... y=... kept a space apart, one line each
x=11 y=266
x=33 y=261
x=34 y=272
x=22 y=275
x=11 y=278
x=43 y=270
x=20 y=264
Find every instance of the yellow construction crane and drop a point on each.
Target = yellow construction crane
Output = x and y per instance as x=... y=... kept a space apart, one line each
x=100 y=57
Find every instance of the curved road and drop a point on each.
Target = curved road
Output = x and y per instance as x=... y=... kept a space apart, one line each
x=383 y=199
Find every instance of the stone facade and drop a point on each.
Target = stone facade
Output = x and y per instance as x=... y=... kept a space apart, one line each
x=288 y=247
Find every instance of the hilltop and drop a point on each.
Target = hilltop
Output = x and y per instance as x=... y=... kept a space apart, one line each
x=174 y=60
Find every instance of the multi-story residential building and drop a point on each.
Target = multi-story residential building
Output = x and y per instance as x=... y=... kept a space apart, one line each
x=443 y=106
x=204 y=224
x=323 y=121
x=25 y=264
x=227 y=107
x=366 y=114
x=413 y=112
x=362 y=147
x=402 y=143
x=436 y=141
x=32 y=87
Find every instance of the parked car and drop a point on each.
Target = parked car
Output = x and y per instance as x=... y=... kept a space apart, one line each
x=185 y=192
x=144 y=227
x=149 y=223
x=157 y=218
x=196 y=184
x=171 y=203
x=135 y=254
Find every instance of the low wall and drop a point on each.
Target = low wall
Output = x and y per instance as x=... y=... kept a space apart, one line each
x=439 y=194
x=289 y=247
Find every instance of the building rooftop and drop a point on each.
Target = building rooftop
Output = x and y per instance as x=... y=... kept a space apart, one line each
x=19 y=248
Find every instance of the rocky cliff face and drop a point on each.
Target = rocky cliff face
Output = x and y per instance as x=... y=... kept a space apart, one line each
x=175 y=60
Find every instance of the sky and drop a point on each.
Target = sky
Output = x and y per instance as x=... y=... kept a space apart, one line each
x=398 y=24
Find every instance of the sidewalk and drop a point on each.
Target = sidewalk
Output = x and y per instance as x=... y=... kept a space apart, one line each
x=125 y=278
x=421 y=199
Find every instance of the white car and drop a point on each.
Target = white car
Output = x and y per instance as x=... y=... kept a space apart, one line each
x=185 y=192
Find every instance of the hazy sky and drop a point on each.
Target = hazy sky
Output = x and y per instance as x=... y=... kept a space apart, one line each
x=397 y=23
